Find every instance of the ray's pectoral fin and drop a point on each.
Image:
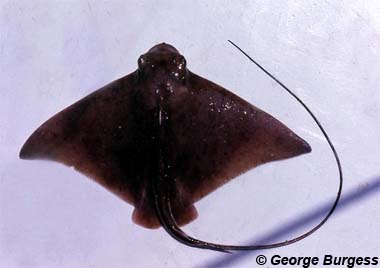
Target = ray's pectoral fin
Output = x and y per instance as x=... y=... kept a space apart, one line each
x=94 y=135
x=214 y=136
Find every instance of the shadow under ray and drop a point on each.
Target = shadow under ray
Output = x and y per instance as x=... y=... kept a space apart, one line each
x=348 y=199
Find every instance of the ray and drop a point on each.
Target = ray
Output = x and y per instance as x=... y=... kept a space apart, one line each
x=162 y=138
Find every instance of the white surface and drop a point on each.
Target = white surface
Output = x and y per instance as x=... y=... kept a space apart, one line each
x=52 y=53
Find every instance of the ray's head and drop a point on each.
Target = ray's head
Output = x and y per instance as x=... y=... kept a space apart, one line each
x=162 y=61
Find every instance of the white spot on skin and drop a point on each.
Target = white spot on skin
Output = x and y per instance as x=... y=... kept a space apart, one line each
x=227 y=106
x=169 y=87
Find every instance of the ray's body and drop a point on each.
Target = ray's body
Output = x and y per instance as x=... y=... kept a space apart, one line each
x=163 y=137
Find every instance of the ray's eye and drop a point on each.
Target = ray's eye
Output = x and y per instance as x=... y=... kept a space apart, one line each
x=181 y=63
x=180 y=67
x=141 y=62
x=144 y=65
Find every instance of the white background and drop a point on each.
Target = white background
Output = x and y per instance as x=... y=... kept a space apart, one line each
x=53 y=53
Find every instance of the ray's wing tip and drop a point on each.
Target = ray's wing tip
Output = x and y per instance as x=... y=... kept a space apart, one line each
x=26 y=152
x=299 y=147
x=35 y=147
x=22 y=154
x=306 y=147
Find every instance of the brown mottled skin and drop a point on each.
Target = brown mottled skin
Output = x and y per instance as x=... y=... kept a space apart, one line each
x=162 y=121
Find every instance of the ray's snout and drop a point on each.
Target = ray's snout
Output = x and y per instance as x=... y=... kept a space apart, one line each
x=163 y=48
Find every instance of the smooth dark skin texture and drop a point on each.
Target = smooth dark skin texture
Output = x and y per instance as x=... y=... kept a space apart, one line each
x=162 y=137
